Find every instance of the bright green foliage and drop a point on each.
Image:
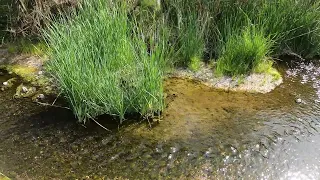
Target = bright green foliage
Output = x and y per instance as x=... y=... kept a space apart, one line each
x=293 y=26
x=154 y=4
x=189 y=25
x=102 y=65
x=194 y=64
x=266 y=67
x=243 y=52
x=191 y=41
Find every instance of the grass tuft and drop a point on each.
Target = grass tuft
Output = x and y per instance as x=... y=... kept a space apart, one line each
x=243 y=52
x=102 y=64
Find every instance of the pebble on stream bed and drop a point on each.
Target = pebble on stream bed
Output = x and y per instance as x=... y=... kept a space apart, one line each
x=5 y=83
x=298 y=100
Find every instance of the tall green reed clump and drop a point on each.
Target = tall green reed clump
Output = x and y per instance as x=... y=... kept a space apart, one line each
x=243 y=52
x=292 y=25
x=189 y=23
x=239 y=45
x=101 y=64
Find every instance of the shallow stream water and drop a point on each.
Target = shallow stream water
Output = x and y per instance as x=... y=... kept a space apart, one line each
x=204 y=134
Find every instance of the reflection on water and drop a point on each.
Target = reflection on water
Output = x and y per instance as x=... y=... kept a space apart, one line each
x=204 y=134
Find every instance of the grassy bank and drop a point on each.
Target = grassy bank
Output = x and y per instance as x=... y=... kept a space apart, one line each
x=110 y=57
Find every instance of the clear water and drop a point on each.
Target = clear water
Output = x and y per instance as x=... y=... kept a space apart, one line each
x=204 y=134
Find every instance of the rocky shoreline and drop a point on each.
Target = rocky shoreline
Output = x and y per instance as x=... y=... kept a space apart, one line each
x=253 y=83
x=30 y=68
x=35 y=83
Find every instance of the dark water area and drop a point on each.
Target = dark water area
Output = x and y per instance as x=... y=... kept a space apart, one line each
x=204 y=134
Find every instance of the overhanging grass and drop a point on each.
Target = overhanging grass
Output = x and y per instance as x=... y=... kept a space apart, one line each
x=102 y=65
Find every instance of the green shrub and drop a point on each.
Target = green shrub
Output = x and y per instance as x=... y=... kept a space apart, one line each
x=243 y=52
x=102 y=65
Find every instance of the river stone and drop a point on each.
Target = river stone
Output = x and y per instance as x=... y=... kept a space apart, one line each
x=234 y=150
x=257 y=147
x=106 y=140
x=24 y=89
x=5 y=83
x=173 y=150
x=298 y=100
x=41 y=96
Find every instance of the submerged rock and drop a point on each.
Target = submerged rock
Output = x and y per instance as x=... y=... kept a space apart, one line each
x=24 y=89
x=8 y=84
x=298 y=100
x=24 y=92
x=41 y=96
x=173 y=150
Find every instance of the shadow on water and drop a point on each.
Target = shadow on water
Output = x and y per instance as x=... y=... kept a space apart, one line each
x=204 y=134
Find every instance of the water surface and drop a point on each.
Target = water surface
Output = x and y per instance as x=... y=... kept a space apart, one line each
x=204 y=134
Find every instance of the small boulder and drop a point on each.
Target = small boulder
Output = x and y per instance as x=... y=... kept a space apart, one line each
x=5 y=83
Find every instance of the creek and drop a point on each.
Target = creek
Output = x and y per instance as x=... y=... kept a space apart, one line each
x=204 y=134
